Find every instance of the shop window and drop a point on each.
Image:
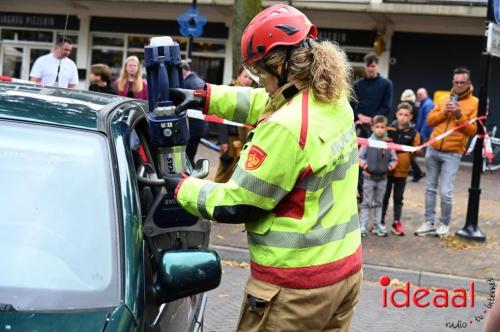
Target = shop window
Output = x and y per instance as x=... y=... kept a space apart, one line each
x=27 y=35
x=137 y=41
x=205 y=47
x=98 y=40
x=72 y=37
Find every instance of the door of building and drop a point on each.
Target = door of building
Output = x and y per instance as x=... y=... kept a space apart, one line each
x=16 y=59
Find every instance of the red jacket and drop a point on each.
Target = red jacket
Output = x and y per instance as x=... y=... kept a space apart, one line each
x=137 y=95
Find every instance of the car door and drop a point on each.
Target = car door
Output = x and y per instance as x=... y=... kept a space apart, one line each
x=160 y=235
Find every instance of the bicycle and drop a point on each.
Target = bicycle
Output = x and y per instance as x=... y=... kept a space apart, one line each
x=495 y=147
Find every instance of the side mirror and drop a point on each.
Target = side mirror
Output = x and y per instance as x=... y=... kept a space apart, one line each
x=187 y=272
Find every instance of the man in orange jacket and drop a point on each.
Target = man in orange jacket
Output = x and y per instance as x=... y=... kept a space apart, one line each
x=443 y=157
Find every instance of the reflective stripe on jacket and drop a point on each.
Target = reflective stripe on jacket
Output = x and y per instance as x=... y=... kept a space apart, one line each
x=294 y=186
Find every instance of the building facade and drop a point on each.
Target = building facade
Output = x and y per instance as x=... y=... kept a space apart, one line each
x=422 y=40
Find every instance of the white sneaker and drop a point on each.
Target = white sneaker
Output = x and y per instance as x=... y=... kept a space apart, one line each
x=425 y=229
x=443 y=230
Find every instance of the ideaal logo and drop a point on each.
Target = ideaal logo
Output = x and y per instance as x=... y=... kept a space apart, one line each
x=439 y=298
x=422 y=297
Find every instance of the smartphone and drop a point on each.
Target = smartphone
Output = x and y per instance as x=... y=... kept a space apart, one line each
x=454 y=98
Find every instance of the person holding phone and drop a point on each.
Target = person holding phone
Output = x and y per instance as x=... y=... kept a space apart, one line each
x=443 y=156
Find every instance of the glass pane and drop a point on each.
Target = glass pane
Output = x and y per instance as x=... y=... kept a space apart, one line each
x=356 y=57
x=137 y=41
x=107 y=41
x=112 y=58
x=73 y=38
x=12 y=61
x=208 y=47
x=61 y=247
x=32 y=35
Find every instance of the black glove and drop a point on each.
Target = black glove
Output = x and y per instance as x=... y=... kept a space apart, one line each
x=184 y=99
x=172 y=180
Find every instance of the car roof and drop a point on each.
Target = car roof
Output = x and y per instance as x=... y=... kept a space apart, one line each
x=67 y=107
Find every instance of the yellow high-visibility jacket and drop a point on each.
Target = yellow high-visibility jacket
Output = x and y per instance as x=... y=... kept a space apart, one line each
x=294 y=186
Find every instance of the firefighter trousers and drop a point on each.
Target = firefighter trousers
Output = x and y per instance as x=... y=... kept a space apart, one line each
x=268 y=307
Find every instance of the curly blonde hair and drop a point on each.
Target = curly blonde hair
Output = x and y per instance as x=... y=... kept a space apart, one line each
x=323 y=67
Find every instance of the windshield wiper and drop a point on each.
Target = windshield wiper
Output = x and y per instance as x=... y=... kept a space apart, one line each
x=5 y=307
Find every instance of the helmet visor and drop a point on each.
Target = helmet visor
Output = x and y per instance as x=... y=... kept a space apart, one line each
x=253 y=72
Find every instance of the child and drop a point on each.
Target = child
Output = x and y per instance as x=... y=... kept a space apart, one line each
x=400 y=132
x=100 y=79
x=376 y=163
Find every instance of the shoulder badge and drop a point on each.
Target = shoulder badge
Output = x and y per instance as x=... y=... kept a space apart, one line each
x=255 y=158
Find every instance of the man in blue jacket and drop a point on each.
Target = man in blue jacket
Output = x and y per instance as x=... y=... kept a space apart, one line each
x=374 y=96
x=426 y=105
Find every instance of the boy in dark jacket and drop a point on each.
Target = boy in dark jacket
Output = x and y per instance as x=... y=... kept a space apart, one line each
x=376 y=163
x=400 y=132
x=100 y=79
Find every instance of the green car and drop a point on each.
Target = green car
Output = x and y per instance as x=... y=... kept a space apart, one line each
x=81 y=248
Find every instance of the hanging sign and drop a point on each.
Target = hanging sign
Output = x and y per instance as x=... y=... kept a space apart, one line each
x=493 y=41
x=191 y=23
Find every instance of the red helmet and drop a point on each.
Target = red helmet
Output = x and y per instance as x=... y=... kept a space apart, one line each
x=277 y=25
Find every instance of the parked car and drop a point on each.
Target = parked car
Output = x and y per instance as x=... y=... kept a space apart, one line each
x=74 y=253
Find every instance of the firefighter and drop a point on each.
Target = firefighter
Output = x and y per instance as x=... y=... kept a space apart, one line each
x=294 y=186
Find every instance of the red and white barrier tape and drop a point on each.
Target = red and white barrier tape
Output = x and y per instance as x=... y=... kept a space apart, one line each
x=215 y=119
x=14 y=80
x=487 y=150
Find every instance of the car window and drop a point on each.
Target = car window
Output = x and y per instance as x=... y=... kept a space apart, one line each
x=58 y=224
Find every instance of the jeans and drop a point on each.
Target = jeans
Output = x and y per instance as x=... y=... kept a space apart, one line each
x=373 y=194
x=399 y=190
x=441 y=169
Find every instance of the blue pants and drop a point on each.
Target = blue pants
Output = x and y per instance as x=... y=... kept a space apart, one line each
x=442 y=167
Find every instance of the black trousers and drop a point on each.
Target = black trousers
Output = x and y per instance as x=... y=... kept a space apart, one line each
x=397 y=196
x=417 y=171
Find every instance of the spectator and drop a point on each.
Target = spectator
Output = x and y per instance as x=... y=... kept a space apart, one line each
x=231 y=138
x=376 y=163
x=100 y=79
x=443 y=156
x=197 y=128
x=56 y=68
x=130 y=83
x=409 y=97
x=374 y=95
x=426 y=105
x=400 y=132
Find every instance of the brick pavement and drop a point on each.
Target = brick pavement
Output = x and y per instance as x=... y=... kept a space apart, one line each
x=223 y=307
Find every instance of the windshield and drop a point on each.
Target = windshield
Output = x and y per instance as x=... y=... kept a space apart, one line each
x=58 y=225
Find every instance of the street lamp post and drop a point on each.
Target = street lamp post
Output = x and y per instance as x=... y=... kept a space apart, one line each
x=471 y=229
